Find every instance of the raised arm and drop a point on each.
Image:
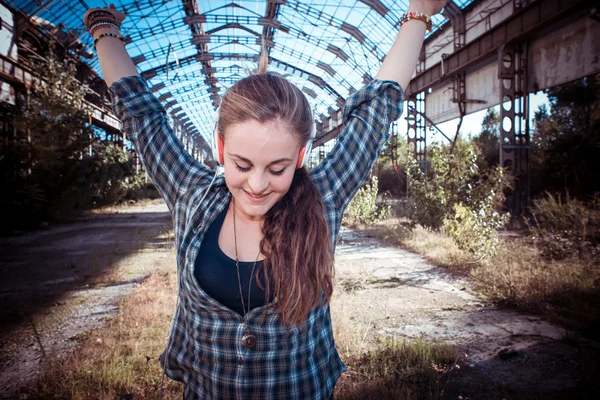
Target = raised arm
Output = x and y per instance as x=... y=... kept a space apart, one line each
x=400 y=62
x=115 y=62
x=369 y=113
x=172 y=169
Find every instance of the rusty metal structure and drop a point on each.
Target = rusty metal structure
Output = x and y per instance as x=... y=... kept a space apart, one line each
x=481 y=53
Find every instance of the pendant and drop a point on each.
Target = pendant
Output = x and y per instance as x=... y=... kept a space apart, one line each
x=249 y=340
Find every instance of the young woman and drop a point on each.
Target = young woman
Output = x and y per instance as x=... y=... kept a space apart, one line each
x=255 y=247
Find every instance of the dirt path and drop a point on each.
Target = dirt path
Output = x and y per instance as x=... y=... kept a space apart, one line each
x=58 y=284
x=505 y=354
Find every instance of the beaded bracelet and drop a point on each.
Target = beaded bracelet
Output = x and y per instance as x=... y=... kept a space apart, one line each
x=102 y=22
x=418 y=16
x=108 y=34
x=102 y=13
x=99 y=25
x=110 y=18
x=95 y=31
x=103 y=19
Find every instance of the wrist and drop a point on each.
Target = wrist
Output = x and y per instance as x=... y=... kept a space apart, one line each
x=420 y=8
x=420 y=17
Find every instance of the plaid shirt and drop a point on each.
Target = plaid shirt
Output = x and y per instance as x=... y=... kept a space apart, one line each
x=205 y=349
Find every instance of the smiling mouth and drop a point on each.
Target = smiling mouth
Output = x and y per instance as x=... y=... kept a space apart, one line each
x=257 y=197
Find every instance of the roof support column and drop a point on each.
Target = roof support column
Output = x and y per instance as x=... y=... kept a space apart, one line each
x=457 y=19
x=416 y=132
x=514 y=122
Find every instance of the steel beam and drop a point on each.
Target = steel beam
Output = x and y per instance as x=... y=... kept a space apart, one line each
x=526 y=22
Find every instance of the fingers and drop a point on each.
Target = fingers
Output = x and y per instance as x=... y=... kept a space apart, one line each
x=111 y=9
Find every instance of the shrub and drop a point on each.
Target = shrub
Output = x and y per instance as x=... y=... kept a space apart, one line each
x=110 y=175
x=474 y=229
x=364 y=208
x=454 y=195
x=566 y=227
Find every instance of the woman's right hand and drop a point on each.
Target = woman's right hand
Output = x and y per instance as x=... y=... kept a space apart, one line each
x=429 y=7
x=119 y=16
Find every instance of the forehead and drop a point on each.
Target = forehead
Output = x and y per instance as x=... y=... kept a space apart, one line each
x=261 y=141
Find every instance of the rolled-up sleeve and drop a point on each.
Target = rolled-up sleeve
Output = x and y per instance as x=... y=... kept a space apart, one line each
x=368 y=115
x=172 y=169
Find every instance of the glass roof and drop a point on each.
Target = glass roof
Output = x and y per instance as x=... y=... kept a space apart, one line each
x=192 y=51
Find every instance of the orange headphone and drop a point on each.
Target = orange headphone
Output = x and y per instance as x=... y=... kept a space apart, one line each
x=218 y=145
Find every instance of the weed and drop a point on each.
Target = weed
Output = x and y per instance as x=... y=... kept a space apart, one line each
x=120 y=359
x=565 y=290
x=399 y=369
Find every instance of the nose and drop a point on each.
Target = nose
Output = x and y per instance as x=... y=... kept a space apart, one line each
x=258 y=182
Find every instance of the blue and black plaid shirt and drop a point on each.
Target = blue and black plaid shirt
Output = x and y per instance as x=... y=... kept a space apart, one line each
x=205 y=349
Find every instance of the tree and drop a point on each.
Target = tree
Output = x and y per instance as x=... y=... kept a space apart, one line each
x=565 y=145
x=392 y=178
x=59 y=133
x=57 y=166
x=488 y=140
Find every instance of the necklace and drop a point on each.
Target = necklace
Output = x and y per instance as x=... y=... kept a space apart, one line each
x=237 y=265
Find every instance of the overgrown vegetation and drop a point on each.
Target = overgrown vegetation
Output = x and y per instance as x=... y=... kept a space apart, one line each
x=565 y=142
x=56 y=166
x=121 y=360
x=454 y=211
x=364 y=207
x=399 y=369
x=456 y=196
x=566 y=228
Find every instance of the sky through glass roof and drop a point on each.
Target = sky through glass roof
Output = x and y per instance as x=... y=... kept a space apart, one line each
x=191 y=52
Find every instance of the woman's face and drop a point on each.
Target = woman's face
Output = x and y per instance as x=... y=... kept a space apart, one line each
x=260 y=161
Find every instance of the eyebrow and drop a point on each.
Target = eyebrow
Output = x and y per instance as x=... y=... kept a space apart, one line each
x=250 y=162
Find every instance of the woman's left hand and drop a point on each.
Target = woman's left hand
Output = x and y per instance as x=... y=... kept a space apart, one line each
x=429 y=7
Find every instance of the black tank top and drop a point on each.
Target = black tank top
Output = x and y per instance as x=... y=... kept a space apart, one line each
x=216 y=273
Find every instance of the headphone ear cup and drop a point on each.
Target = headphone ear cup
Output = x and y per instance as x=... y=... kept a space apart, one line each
x=301 y=153
x=220 y=146
x=217 y=144
x=304 y=154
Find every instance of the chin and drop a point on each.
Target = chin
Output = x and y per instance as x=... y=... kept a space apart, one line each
x=252 y=209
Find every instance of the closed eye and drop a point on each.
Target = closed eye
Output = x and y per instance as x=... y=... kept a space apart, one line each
x=246 y=169
x=242 y=169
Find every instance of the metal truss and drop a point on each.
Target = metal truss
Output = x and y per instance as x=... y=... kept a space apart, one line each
x=190 y=51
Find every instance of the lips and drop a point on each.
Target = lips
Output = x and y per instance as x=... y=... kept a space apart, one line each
x=256 y=199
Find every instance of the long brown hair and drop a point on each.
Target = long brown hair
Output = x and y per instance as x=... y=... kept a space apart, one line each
x=296 y=240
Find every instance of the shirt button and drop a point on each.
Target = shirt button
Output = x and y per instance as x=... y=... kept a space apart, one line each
x=241 y=361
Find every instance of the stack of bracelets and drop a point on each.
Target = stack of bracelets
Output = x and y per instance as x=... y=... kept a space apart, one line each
x=416 y=15
x=102 y=19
